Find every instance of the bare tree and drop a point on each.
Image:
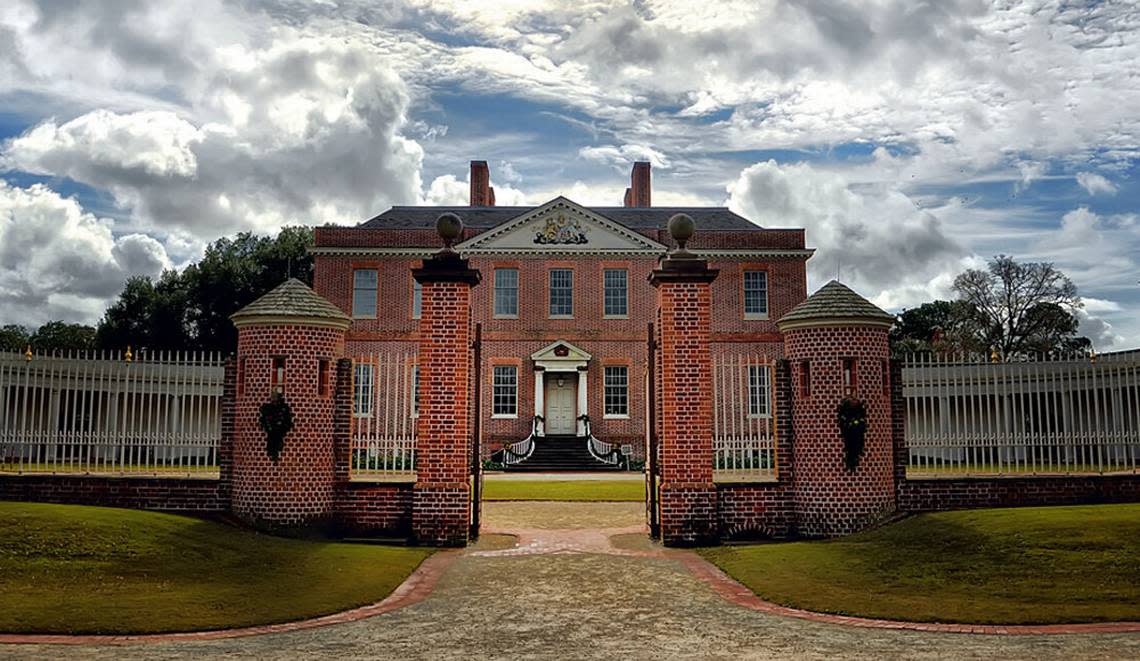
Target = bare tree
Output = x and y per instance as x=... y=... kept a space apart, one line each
x=1010 y=301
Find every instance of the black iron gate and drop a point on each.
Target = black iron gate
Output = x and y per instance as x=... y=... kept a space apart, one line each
x=476 y=436
x=652 y=469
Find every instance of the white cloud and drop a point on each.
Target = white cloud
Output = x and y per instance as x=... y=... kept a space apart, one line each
x=1095 y=183
x=875 y=236
x=622 y=157
x=58 y=261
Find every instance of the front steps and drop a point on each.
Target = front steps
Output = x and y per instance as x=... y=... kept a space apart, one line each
x=556 y=454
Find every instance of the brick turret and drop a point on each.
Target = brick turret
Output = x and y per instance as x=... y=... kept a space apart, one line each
x=836 y=342
x=288 y=341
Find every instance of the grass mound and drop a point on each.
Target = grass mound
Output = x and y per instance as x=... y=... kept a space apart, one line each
x=76 y=569
x=1009 y=566
x=578 y=490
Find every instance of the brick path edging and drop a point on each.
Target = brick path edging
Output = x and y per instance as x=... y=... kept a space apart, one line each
x=734 y=592
x=415 y=588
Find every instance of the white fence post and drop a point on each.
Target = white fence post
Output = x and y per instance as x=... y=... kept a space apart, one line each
x=1036 y=415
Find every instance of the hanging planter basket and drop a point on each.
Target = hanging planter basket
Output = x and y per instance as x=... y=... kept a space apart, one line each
x=276 y=420
x=851 y=416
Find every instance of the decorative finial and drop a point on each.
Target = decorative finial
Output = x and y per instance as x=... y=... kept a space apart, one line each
x=129 y=356
x=28 y=353
x=450 y=227
x=1092 y=357
x=994 y=356
x=681 y=228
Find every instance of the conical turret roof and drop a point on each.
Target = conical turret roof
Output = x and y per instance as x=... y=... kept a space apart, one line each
x=835 y=303
x=293 y=301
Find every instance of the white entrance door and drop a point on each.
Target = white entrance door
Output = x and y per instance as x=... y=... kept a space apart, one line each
x=561 y=403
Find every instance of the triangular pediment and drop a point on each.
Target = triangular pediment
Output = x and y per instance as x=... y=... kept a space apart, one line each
x=561 y=226
x=560 y=351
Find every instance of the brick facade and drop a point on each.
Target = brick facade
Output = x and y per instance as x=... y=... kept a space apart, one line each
x=166 y=494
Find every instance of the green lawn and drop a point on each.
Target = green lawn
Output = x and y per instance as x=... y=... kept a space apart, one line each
x=582 y=490
x=1011 y=566
x=75 y=569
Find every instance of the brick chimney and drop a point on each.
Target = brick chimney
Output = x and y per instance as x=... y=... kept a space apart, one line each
x=638 y=193
x=482 y=195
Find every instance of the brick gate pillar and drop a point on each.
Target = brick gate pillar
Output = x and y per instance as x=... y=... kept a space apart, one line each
x=441 y=500
x=684 y=299
x=288 y=341
x=836 y=343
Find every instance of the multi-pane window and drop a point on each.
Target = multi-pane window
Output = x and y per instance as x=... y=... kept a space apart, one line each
x=362 y=391
x=506 y=292
x=505 y=390
x=364 y=283
x=616 y=390
x=615 y=287
x=561 y=293
x=755 y=294
x=759 y=391
x=417 y=299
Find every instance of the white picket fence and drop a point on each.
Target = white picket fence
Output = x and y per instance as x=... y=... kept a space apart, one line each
x=744 y=418
x=1038 y=415
x=158 y=413
x=384 y=412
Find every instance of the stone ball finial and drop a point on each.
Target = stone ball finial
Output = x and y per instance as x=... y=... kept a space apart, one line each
x=681 y=228
x=450 y=227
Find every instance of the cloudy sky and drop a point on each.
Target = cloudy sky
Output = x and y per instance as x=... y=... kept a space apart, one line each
x=911 y=138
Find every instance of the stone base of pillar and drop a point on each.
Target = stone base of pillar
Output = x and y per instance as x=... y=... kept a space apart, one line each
x=441 y=514
x=688 y=514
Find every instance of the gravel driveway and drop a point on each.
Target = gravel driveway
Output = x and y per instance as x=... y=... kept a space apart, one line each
x=576 y=599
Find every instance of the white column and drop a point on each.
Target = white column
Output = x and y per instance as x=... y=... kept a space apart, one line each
x=540 y=397
x=582 y=401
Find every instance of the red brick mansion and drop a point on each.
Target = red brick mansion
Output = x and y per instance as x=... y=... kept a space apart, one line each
x=565 y=300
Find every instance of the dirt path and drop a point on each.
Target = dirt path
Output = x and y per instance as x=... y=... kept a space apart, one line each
x=588 y=586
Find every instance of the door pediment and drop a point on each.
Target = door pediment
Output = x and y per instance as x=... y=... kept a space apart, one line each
x=563 y=227
x=560 y=355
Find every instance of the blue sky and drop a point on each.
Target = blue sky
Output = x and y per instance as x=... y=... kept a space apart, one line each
x=911 y=139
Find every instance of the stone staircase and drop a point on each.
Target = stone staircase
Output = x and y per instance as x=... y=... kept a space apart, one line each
x=556 y=454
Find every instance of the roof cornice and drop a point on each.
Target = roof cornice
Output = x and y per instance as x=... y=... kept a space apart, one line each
x=720 y=253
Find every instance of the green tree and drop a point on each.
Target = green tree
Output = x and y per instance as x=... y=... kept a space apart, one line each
x=62 y=336
x=935 y=326
x=191 y=309
x=1019 y=307
x=14 y=337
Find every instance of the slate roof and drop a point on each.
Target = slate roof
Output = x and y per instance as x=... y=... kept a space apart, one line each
x=635 y=218
x=836 y=300
x=291 y=298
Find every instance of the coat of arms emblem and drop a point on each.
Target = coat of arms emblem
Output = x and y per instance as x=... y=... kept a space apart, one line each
x=561 y=229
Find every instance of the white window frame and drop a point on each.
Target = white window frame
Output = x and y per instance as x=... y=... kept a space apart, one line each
x=363 y=390
x=605 y=392
x=763 y=291
x=495 y=385
x=624 y=293
x=495 y=295
x=375 y=293
x=759 y=392
x=550 y=294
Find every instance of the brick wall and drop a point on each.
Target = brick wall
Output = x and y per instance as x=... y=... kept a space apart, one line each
x=144 y=493
x=372 y=509
x=829 y=499
x=297 y=490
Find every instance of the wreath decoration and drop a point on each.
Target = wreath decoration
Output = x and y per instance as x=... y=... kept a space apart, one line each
x=851 y=416
x=276 y=420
